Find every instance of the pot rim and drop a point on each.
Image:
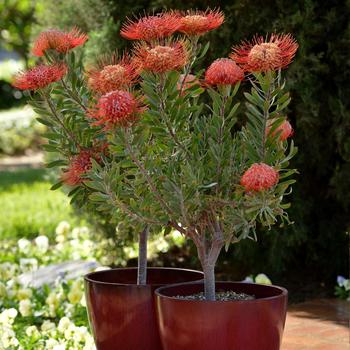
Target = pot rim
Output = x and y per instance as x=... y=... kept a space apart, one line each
x=89 y=276
x=158 y=292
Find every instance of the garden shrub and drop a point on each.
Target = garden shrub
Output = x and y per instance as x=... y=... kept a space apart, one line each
x=319 y=113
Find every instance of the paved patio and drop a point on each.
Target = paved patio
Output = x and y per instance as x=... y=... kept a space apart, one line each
x=318 y=325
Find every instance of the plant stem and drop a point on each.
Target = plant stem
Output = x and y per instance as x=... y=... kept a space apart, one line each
x=73 y=95
x=59 y=121
x=165 y=117
x=266 y=115
x=192 y=61
x=142 y=259
x=209 y=282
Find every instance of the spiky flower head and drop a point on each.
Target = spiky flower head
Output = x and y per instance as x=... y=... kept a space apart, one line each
x=285 y=130
x=162 y=58
x=112 y=74
x=39 y=77
x=223 y=71
x=150 y=28
x=79 y=165
x=194 y=23
x=265 y=54
x=259 y=177
x=116 y=108
x=58 y=40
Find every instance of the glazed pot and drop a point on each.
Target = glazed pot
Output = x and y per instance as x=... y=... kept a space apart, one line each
x=221 y=325
x=122 y=314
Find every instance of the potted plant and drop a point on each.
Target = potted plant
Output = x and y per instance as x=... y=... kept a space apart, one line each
x=64 y=95
x=199 y=169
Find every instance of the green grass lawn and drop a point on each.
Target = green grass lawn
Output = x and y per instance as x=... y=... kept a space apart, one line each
x=28 y=207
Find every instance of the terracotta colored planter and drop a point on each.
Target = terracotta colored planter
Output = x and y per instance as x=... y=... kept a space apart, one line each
x=222 y=325
x=122 y=314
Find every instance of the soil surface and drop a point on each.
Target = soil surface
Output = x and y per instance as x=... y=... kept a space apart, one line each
x=220 y=296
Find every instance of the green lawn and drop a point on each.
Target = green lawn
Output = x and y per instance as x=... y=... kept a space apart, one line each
x=28 y=207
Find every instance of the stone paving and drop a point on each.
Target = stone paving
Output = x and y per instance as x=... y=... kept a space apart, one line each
x=317 y=325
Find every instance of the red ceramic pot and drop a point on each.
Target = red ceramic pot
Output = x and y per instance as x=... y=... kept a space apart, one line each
x=122 y=314
x=222 y=325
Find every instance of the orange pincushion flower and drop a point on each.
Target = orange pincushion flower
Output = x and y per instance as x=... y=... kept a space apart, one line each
x=223 y=71
x=259 y=177
x=151 y=28
x=55 y=39
x=79 y=165
x=262 y=55
x=285 y=130
x=116 y=108
x=112 y=74
x=200 y=22
x=162 y=58
x=39 y=76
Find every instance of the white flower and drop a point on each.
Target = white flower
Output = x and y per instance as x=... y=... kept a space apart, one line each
x=25 y=307
x=8 y=316
x=70 y=331
x=24 y=245
x=261 y=278
x=76 y=293
x=48 y=326
x=80 y=232
x=7 y=270
x=51 y=343
x=248 y=279
x=53 y=301
x=346 y=285
x=63 y=228
x=63 y=324
x=32 y=331
x=42 y=242
x=59 y=347
x=28 y=264
x=24 y=293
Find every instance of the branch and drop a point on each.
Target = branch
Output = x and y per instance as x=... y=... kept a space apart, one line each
x=165 y=118
x=58 y=119
x=150 y=182
x=73 y=95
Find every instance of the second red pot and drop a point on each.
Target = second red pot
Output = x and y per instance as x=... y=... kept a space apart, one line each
x=222 y=325
x=121 y=313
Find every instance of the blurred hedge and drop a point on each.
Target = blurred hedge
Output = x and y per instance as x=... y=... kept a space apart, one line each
x=316 y=246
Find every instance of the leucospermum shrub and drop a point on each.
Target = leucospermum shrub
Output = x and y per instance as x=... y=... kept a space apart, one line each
x=175 y=155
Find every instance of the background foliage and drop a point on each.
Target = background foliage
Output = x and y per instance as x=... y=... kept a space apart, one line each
x=315 y=247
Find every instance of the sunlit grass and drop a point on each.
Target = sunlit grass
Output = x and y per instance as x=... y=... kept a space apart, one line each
x=28 y=207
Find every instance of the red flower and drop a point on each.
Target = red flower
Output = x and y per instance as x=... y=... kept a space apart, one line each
x=39 y=76
x=259 y=177
x=200 y=22
x=160 y=59
x=150 y=28
x=57 y=40
x=116 y=108
x=223 y=71
x=262 y=54
x=285 y=130
x=112 y=74
x=79 y=165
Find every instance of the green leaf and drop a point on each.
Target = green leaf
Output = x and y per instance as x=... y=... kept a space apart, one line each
x=56 y=186
x=55 y=163
x=45 y=122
